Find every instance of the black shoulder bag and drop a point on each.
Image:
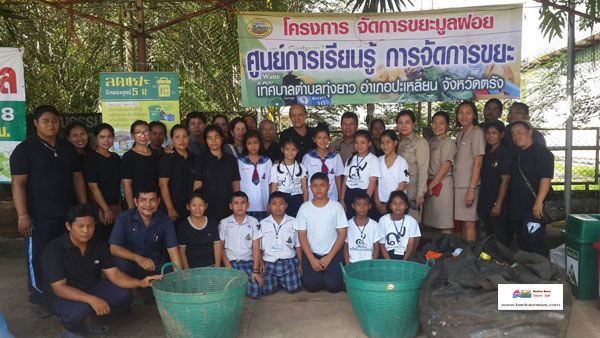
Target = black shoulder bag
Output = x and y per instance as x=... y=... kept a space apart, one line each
x=553 y=209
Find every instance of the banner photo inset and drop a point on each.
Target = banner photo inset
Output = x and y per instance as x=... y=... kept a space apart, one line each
x=324 y=59
x=12 y=107
x=127 y=97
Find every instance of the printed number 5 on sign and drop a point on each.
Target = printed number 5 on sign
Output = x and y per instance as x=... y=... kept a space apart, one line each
x=8 y=114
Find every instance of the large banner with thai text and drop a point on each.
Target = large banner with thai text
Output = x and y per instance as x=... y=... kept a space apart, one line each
x=323 y=59
x=148 y=96
x=12 y=106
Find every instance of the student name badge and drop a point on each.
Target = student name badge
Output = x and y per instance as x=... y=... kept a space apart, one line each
x=399 y=250
x=277 y=245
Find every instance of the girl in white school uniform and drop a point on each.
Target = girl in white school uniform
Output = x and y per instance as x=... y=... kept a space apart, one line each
x=290 y=177
x=360 y=174
x=321 y=160
x=400 y=230
x=255 y=175
x=394 y=171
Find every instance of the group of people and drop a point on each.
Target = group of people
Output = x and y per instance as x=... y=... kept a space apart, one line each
x=287 y=214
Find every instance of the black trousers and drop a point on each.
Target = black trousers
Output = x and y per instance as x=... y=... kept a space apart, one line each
x=500 y=226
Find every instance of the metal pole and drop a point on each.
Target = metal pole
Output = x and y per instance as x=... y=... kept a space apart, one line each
x=141 y=37
x=570 y=109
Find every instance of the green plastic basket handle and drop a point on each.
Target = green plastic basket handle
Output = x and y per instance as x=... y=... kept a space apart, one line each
x=229 y=283
x=343 y=270
x=166 y=265
x=432 y=260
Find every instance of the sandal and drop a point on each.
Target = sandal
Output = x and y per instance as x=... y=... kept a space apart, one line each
x=96 y=329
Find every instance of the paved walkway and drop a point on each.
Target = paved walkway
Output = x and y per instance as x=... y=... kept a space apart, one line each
x=279 y=315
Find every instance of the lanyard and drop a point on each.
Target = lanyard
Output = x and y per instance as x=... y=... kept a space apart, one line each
x=277 y=230
x=401 y=225
x=363 y=228
x=288 y=169
x=49 y=147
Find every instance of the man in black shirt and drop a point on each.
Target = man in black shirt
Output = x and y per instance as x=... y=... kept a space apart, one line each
x=532 y=163
x=196 y=123
x=271 y=148
x=299 y=132
x=46 y=174
x=73 y=288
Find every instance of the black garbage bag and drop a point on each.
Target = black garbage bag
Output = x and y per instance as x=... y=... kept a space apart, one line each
x=459 y=296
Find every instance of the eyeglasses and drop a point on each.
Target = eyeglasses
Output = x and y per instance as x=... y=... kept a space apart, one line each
x=141 y=132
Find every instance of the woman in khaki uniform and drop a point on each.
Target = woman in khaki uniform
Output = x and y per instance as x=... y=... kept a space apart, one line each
x=470 y=143
x=438 y=211
x=415 y=150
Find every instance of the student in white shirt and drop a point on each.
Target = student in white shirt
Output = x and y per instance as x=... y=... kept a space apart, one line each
x=321 y=160
x=240 y=238
x=290 y=177
x=394 y=171
x=400 y=231
x=282 y=255
x=360 y=174
x=321 y=225
x=363 y=238
x=255 y=175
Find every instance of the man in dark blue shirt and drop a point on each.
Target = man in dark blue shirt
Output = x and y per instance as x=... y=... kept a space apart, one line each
x=46 y=178
x=139 y=237
x=73 y=288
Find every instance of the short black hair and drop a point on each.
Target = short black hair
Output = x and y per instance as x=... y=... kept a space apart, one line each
x=525 y=124
x=198 y=193
x=215 y=128
x=376 y=121
x=99 y=128
x=46 y=108
x=157 y=123
x=391 y=134
x=72 y=126
x=175 y=127
x=402 y=195
x=137 y=123
x=276 y=194
x=349 y=115
x=523 y=105
x=363 y=133
x=443 y=114
x=288 y=140
x=319 y=176
x=496 y=101
x=361 y=195
x=251 y=134
x=239 y=193
x=498 y=125
x=146 y=190
x=220 y=115
x=194 y=115
x=408 y=112
x=473 y=108
x=321 y=127
x=81 y=210
x=232 y=125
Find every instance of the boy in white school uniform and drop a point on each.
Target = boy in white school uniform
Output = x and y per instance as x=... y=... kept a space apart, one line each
x=282 y=255
x=362 y=242
x=322 y=226
x=240 y=237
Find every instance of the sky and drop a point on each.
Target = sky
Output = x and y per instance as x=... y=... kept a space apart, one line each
x=534 y=44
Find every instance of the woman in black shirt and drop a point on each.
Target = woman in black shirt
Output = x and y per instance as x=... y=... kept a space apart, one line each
x=77 y=135
x=495 y=178
x=138 y=165
x=176 y=175
x=198 y=236
x=218 y=174
x=101 y=173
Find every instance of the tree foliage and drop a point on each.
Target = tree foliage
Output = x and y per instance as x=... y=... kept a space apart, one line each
x=554 y=21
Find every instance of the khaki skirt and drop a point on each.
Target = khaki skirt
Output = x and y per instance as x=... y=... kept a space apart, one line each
x=438 y=211
x=461 y=212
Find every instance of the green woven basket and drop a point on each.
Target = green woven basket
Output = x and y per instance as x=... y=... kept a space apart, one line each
x=200 y=302
x=384 y=294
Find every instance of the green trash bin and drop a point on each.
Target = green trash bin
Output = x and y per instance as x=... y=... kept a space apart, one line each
x=581 y=233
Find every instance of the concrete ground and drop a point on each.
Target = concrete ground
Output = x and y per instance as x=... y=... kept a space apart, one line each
x=279 y=315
